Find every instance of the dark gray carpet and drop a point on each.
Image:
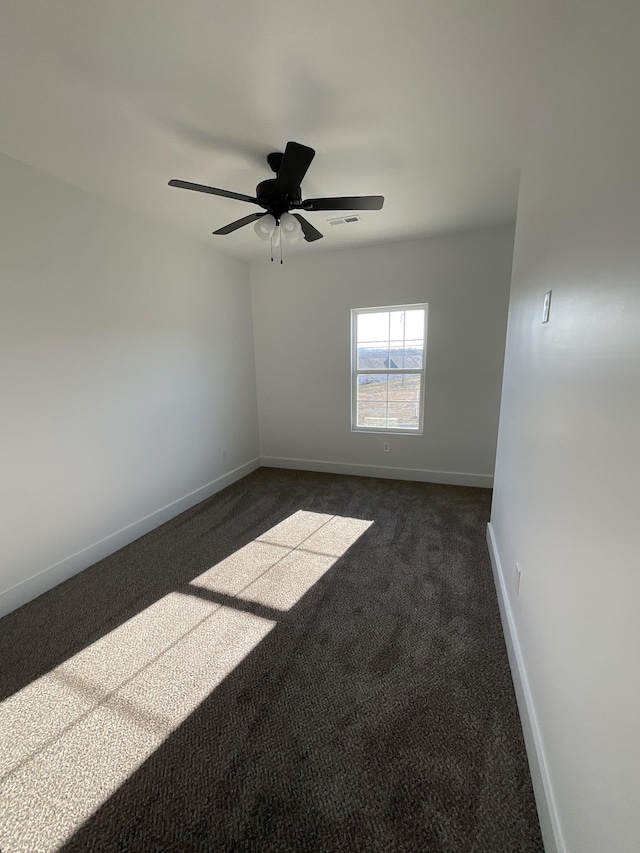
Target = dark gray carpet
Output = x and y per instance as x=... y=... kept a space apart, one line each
x=377 y=715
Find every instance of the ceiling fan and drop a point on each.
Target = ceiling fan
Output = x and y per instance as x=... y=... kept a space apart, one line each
x=280 y=195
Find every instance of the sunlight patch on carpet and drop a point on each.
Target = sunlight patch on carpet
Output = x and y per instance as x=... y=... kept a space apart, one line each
x=71 y=738
x=277 y=568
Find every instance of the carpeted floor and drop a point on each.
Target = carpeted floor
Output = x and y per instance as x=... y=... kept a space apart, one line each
x=303 y=662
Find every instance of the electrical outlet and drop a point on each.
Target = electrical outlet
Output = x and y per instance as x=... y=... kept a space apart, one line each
x=385 y=446
x=518 y=577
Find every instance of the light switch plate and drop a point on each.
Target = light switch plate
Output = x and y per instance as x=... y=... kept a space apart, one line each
x=546 y=307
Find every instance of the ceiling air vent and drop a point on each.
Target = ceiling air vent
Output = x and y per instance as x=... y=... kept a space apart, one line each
x=344 y=220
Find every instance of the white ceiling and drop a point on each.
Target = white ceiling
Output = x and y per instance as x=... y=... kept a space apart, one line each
x=427 y=102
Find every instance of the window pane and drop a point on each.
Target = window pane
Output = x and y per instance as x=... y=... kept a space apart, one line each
x=372 y=415
x=403 y=416
x=404 y=355
x=396 y=355
x=414 y=324
x=396 y=325
x=413 y=354
x=373 y=326
x=405 y=388
x=372 y=388
x=373 y=355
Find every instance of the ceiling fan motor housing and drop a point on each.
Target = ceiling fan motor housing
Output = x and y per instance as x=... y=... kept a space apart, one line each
x=270 y=196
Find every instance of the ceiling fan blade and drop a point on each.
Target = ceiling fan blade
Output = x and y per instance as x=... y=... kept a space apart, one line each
x=187 y=185
x=354 y=202
x=295 y=162
x=239 y=223
x=310 y=233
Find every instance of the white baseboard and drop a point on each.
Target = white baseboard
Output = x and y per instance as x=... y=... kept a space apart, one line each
x=545 y=800
x=421 y=475
x=46 y=579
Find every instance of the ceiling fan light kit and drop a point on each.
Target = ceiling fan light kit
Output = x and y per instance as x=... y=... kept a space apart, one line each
x=280 y=195
x=268 y=228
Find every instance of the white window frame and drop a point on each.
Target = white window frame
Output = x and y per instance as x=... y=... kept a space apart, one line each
x=355 y=372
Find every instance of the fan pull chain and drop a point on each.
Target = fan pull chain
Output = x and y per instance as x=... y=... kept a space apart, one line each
x=271 y=243
x=281 y=235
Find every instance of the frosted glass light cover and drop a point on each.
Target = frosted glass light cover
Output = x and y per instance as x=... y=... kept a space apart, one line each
x=265 y=226
x=291 y=228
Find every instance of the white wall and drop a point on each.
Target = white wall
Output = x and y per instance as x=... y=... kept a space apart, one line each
x=567 y=492
x=302 y=338
x=126 y=367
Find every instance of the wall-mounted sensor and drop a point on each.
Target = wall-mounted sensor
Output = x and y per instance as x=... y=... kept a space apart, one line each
x=546 y=307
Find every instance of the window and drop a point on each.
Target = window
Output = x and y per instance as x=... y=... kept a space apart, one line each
x=387 y=368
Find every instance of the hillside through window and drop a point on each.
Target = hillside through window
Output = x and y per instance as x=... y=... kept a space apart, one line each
x=388 y=368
